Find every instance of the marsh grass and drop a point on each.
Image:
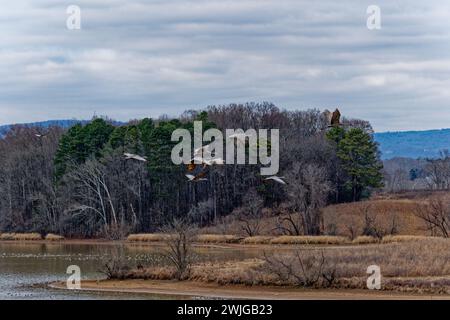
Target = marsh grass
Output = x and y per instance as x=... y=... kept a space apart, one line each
x=310 y=240
x=217 y=238
x=365 y=240
x=202 y=238
x=147 y=237
x=257 y=240
x=21 y=236
x=417 y=266
x=404 y=238
x=54 y=237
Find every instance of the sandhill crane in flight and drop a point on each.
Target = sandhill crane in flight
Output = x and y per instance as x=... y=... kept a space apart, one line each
x=205 y=162
x=335 y=118
x=240 y=137
x=199 y=151
x=276 y=178
x=131 y=156
x=41 y=135
x=199 y=177
x=214 y=161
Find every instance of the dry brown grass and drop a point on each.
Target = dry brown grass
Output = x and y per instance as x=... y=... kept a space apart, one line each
x=54 y=237
x=391 y=239
x=418 y=266
x=365 y=240
x=309 y=240
x=257 y=240
x=147 y=237
x=338 y=218
x=217 y=238
x=349 y=218
x=203 y=238
x=21 y=236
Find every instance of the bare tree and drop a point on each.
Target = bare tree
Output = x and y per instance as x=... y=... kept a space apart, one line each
x=250 y=214
x=180 y=237
x=436 y=216
x=116 y=264
x=308 y=190
x=92 y=194
x=375 y=228
x=301 y=268
x=438 y=172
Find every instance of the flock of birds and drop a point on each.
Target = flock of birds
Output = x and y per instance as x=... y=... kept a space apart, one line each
x=198 y=166
x=198 y=161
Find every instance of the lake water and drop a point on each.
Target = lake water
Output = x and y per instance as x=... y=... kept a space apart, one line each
x=27 y=268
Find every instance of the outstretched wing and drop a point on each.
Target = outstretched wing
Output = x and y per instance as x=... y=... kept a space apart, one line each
x=277 y=179
x=327 y=115
x=201 y=175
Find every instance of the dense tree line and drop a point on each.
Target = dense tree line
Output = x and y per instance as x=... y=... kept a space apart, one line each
x=77 y=181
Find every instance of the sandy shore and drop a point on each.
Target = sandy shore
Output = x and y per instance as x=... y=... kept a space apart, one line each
x=196 y=289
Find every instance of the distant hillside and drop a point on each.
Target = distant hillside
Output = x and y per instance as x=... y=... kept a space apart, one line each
x=43 y=124
x=46 y=124
x=413 y=144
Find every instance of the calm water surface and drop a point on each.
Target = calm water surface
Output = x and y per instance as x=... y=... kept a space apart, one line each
x=27 y=268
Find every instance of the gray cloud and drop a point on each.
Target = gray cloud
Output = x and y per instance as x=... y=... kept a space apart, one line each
x=145 y=58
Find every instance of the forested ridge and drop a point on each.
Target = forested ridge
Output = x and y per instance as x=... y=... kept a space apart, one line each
x=77 y=182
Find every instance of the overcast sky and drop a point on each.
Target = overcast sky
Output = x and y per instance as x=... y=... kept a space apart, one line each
x=136 y=58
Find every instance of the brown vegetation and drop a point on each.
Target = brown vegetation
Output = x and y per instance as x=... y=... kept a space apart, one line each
x=54 y=237
x=217 y=238
x=147 y=237
x=21 y=236
x=257 y=240
x=382 y=216
x=309 y=240
x=407 y=266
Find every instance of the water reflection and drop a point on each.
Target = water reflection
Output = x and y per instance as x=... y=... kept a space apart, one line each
x=25 y=268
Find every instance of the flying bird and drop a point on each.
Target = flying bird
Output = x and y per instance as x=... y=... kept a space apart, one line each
x=199 y=177
x=327 y=114
x=194 y=162
x=335 y=119
x=129 y=156
x=277 y=179
x=40 y=135
x=199 y=151
x=214 y=161
x=240 y=137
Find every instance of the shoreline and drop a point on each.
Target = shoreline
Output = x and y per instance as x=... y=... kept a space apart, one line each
x=190 y=289
x=195 y=244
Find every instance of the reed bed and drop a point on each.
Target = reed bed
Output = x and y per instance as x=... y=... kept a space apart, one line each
x=148 y=237
x=417 y=266
x=257 y=240
x=20 y=236
x=53 y=237
x=218 y=238
x=365 y=240
x=309 y=240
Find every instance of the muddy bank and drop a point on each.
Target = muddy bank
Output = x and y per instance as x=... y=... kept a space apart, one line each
x=195 y=289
